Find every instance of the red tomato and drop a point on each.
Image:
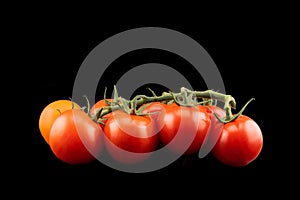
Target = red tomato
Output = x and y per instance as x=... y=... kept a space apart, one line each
x=75 y=138
x=98 y=105
x=240 y=142
x=214 y=131
x=217 y=110
x=216 y=126
x=183 y=128
x=129 y=138
x=155 y=111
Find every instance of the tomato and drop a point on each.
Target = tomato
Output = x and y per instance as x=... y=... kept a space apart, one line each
x=183 y=129
x=155 y=111
x=98 y=105
x=50 y=113
x=75 y=138
x=129 y=138
x=240 y=142
x=215 y=109
x=216 y=126
x=214 y=130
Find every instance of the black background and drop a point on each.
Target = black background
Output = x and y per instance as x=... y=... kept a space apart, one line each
x=51 y=47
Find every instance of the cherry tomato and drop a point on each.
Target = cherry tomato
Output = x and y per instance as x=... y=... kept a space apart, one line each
x=51 y=112
x=98 y=105
x=183 y=128
x=214 y=130
x=75 y=138
x=240 y=142
x=215 y=109
x=129 y=138
x=155 y=111
x=215 y=125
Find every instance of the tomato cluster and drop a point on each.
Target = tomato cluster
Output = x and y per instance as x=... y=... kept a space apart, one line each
x=77 y=137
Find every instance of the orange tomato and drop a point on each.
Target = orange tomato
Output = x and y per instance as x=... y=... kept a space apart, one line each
x=51 y=112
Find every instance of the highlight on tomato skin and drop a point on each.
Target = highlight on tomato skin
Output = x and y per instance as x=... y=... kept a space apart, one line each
x=240 y=142
x=75 y=138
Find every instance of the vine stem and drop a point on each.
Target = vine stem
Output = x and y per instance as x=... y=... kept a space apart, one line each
x=185 y=97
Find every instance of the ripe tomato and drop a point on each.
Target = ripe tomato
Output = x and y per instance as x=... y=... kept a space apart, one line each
x=155 y=111
x=183 y=128
x=214 y=131
x=75 y=138
x=217 y=110
x=98 y=105
x=129 y=138
x=240 y=142
x=50 y=113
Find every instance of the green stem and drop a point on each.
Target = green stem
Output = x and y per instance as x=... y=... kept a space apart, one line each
x=185 y=97
x=229 y=117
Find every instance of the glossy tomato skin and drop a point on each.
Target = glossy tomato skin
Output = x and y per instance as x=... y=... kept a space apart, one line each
x=214 y=131
x=215 y=125
x=75 y=138
x=155 y=111
x=184 y=128
x=217 y=110
x=135 y=135
x=240 y=142
x=51 y=112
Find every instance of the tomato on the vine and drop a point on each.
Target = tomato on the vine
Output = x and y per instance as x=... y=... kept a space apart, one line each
x=240 y=142
x=182 y=128
x=129 y=138
x=131 y=130
x=51 y=112
x=75 y=138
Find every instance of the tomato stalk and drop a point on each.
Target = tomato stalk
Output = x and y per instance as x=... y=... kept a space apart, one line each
x=229 y=116
x=185 y=97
